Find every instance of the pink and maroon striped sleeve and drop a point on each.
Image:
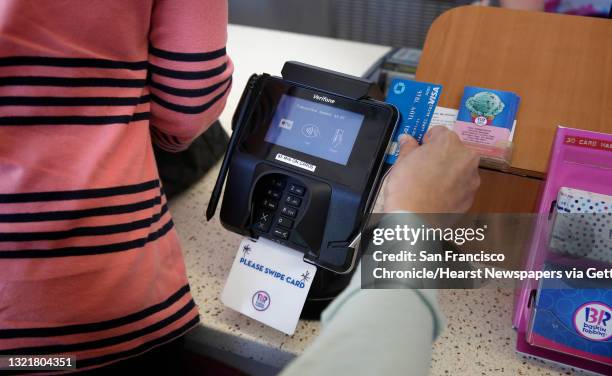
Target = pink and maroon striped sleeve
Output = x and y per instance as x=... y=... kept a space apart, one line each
x=190 y=73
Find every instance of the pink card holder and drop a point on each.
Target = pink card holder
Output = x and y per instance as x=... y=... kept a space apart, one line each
x=580 y=174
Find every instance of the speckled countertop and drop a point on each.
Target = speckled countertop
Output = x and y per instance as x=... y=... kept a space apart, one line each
x=478 y=339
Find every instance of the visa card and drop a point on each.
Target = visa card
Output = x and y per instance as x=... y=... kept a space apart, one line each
x=416 y=102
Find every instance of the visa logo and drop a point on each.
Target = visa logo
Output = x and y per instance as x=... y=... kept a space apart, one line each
x=433 y=96
x=323 y=98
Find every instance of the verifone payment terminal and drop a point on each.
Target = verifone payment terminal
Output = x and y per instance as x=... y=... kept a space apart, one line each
x=305 y=162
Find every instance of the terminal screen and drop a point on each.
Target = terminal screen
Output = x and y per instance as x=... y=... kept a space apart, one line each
x=314 y=128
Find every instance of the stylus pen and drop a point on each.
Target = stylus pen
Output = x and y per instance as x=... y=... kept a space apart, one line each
x=236 y=126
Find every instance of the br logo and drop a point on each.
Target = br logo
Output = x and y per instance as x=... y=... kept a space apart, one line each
x=480 y=120
x=261 y=300
x=593 y=321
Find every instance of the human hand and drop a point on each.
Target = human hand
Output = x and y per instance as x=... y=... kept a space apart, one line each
x=440 y=176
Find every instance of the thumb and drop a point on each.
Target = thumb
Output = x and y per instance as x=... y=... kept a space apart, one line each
x=407 y=144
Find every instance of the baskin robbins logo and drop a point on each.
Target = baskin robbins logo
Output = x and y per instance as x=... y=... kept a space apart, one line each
x=592 y=320
x=261 y=300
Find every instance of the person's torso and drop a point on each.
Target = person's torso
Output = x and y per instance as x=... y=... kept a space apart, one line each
x=89 y=261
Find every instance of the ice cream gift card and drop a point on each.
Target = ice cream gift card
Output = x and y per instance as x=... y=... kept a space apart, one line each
x=488 y=107
x=416 y=102
x=486 y=121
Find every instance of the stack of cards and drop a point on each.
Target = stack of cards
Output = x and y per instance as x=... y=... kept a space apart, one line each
x=582 y=225
x=486 y=122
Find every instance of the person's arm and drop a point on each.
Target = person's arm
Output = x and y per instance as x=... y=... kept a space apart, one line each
x=190 y=72
x=373 y=332
x=523 y=4
x=389 y=332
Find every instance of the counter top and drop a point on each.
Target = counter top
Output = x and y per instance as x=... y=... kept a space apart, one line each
x=255 y=50
x=478 y=339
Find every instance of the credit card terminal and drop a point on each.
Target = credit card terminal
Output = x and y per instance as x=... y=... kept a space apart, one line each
x=305 y=162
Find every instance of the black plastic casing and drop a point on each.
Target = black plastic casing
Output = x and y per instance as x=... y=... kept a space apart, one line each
x=338 y=197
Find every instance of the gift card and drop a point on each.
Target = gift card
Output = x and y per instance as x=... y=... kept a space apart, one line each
x=488 y=107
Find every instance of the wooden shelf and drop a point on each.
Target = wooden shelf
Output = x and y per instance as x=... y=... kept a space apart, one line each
x=560 y=66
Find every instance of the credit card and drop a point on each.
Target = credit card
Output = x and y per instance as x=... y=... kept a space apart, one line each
x=416 y=102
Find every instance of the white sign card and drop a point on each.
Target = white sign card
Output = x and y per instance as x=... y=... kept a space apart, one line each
x=269 y=283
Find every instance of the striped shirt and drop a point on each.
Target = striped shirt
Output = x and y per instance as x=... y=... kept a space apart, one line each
x=90 y=263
